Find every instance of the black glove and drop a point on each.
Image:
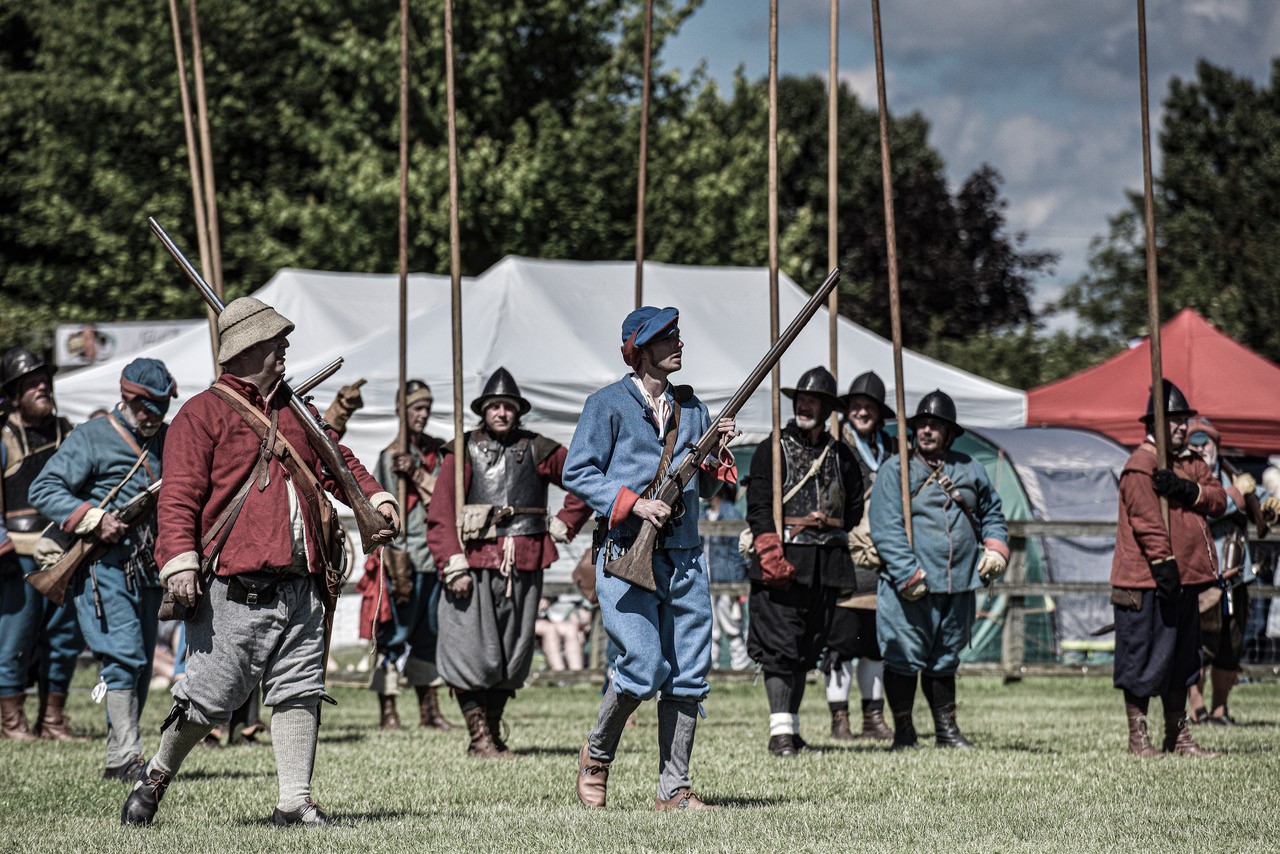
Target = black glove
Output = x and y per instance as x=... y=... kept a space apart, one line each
x=1168 y=582
x=1174 y=488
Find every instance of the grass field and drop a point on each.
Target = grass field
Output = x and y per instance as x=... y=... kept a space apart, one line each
x=1050 y=774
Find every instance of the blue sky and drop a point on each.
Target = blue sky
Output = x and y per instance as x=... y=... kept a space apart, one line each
x=1044 y=90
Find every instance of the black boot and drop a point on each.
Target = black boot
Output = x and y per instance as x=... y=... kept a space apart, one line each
x=144 y=800
x=900 y=692
x=946 y=732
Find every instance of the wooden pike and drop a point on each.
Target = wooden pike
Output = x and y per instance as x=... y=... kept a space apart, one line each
x=402 y=441
x=833 y=148
x=643 y=176
x=455 y=265
x=206 y=157
x=775 y=438
x=193 y=165
x=1153 y=284
x=895 y=302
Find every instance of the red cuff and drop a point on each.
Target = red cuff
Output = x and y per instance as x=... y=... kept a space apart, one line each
x=6 y=547
x=622 y=506
x=1000 y=548
x=69 y=526
x=915 y=578
x=722 y=467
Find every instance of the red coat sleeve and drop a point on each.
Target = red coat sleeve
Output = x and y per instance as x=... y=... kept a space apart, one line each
x=1142 y=505
x=442 y=515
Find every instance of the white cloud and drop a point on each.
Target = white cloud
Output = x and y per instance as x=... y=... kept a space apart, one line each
x=862 y=82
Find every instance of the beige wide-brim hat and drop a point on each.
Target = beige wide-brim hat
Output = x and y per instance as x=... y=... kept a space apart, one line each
x=245 y=322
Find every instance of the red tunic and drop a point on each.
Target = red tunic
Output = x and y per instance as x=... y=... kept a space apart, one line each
x=209 y=452
x=1141 y=536
x=532 y=552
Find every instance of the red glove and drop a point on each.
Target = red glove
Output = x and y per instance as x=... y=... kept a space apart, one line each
x=777 y=570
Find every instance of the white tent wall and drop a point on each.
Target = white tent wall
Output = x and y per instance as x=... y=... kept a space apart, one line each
x=556 y=326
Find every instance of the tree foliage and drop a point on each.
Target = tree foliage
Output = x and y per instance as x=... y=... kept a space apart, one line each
x=1217 y=230
x=303 y=99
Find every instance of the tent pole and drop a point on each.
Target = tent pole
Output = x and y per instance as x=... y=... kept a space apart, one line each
x=776 y=434
x=402 y=442
x=455 y=266
x=1153 y=284
x=643 y=177
x=193 y=166
x=206 y=156
x=833 y=255
x=895 y=302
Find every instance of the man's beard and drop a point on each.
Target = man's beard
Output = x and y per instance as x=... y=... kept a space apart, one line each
x=806 y=422
x=149 y=430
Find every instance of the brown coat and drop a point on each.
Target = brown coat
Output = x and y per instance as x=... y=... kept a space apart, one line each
x=1141 y=536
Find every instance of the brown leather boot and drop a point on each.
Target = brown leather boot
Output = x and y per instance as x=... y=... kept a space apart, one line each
x=1177 y=739
x=13 y=722
x=840 y=725
x=390 y=719
x=684 y=799
x=874 y=727
x=593 y=780
x=493 y=720
x=1139 y=742
x=482 y=746
x=429 y=714
x=53 y=719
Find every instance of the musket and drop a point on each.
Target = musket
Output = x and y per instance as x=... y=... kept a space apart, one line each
x=368 y=519
x=636 y=564
x=54 y=581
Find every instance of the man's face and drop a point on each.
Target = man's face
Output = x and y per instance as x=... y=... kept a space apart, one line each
x=931 y=435
x=500 y=416
x=666 y=355
x=1177 y=427
x=1207 y=450
x=808 y=411
x=148 y=421
x=419 y=412
x=35 y=397
x=864 y=414
x=266 y=358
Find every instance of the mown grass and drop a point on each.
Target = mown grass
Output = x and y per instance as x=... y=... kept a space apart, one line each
x=1051 y=774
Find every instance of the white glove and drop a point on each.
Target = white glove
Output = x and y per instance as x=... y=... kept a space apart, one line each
x=558 y=529
x=1271 y=503
x=456 y=565
x=1245 y=483
x=992 y=566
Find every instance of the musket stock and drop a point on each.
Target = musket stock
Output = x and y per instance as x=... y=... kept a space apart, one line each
x=54 y=581
x=636 y=564
x=368 y=519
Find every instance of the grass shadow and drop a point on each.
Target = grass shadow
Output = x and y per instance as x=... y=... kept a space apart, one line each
x=224 y=774
x=344 y=819
x=738 y=802
x=546 y=751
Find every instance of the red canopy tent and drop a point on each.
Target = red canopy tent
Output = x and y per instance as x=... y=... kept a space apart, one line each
x=1235 y=387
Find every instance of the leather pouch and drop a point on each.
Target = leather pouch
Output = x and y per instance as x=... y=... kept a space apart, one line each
x=399 y=573
x=1126 y=598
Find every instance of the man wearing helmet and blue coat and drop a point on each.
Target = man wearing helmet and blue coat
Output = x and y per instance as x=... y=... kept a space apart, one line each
x=927 y=597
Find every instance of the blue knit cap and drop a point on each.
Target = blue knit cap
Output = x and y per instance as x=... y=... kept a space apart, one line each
x=149 y=382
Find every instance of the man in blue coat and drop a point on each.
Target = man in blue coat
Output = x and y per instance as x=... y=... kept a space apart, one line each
x=926 y=601
x=100 y=466
x=616 y=461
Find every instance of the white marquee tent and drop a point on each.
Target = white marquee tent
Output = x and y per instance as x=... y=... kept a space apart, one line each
x=555 y=326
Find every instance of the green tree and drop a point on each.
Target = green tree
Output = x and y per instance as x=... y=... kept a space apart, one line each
x=1217 y=233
